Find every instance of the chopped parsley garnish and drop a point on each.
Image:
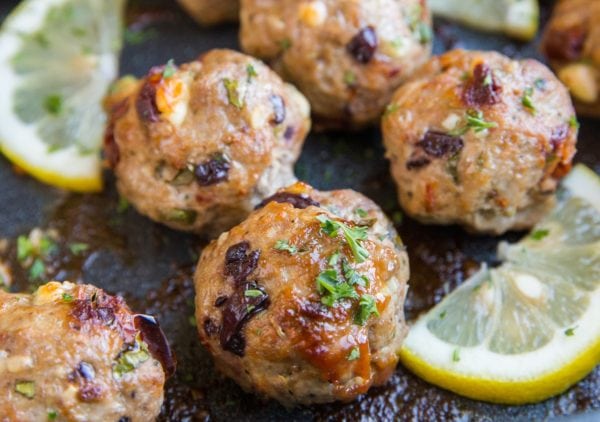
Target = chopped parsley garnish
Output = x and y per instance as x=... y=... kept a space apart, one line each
x=391 y=108
x=573 y=122
x=366 y=307
x=424 y=32
x=442 y=315
x=52 y=415
x=354 y=354
x=78 y=248
x=397 y=217
x=488 y=80
x=251 y=71
x=138 y=37
x=332 y=290
x=232 y=93
x=455 y=355
x=334 y=259
x=285 y=43
x=25 y=388
x=66 y=297
x=283 y=245
x=131 y=358
x=53 y=104
x=192 y=321
x=37 y=269
x=253 y=293
x=570 y=331
x=353 y=235
x=539 y=234
x=349 y=78
x=24 y=248
x=527 y=101
x=123 y=205
x=361 y=213
x=476 y=121
x=353 y=277
x=452 y=167
x=170 y=69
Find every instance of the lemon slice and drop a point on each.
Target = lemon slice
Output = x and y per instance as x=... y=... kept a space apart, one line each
x=516 y=18
x=530 y=328
x=57 y=59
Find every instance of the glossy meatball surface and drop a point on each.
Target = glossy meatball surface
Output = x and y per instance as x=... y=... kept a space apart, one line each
x=303 y=301
x=571 y=42
x=212 y=12
x=346 y=56
x=480 y=140
x=195 y=147
x=74 y=353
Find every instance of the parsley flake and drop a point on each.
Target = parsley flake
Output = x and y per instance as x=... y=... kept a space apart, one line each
x=353 y=235
x=253 y=293
x=52 y=415
x=361 y=213
x=569 y=332
x=391 y=108
x=37 y=269
x=251 y=71
x=366 y=307
x=354 y=354
x=131 y=358
x=78 y=248
x=25 y=388
x=476 y=121
x=349 y=78
x=24 y=248
x=573 y=122
x=539 y=234
x=527 y=101
x=332 y=290
x=232 y=93
x=352 y=276
x=66 y=297
x=169 y=70
x=456 y=355
x=283 y=245
x=53 y=104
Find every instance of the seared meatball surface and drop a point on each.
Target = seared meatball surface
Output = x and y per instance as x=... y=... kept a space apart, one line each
x=74 y=353
x=571 y=42
x=212 y=12
x=303 y=301
x=196 y=147
x=480 y=140
x=346 y=56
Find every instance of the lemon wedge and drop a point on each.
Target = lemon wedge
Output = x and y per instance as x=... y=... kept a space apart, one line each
x=57 y=59
x=516 y=18
x=530 y=328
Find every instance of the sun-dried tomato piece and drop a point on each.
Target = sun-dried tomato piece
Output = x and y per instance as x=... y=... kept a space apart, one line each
x=363 y=45
x=482 y=89
x=438 y=144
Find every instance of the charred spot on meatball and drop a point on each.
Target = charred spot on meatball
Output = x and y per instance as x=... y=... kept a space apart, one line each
x=438 y=144
x=417 y=163
x=247 y=300
x=300 y=201
x=278 y=109
x=212 y=171
x=156 y=340
x=99 y=309
x=210 y=327
x=363 y=45
x=482 y=89
x=240 y=261
x=146 y=103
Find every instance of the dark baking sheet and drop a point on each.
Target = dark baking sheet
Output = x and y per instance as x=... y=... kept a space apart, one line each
x=151 y=266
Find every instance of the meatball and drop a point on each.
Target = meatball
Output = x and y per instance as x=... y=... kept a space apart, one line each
x=74 y=353
x=211 y=12
x=346 y=56
x=480 y=140
x=195 y=147
x=303 y=301
x=571 y=42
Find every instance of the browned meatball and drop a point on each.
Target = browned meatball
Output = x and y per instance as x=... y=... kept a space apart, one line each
x=303 y=301
x=73 y=353
x=211 y=12
x=480 y=140
x=572 y=43
x=346 y=56
x=196 y=147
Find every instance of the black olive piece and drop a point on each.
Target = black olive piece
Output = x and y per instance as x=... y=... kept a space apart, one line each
x=157 y=342
x=298 y=201
x=240 y=261
x=363 y=45
x=212 y=171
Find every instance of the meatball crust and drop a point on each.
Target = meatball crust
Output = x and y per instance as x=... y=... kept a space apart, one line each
x=72 y=352
x=212 y=12
x=346 y=56
x=196 y=147
x=487 y=144
x=289 y=311
x=571 y=42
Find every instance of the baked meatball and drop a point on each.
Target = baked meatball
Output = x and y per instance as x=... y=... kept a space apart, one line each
x=73 y=353
x=211 y=12
x=571 y=42
x=346 y=56
x=303 y=301
x=480 y=140
x=197 y=147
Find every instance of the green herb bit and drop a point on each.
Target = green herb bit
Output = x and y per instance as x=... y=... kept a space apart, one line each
x=192 y=321
x=283 y=245
x=569 y=332
x=122 y=205
x=539 y=234
x=573 y=122
x=361 y=213
x=232 y=93
x=452 y=167
x=354 y=354
x=397 y=217
x=391 y=108
x=352 y=276
x=334 y=259
x=52 y=415
x=47 y=246
x=540 y=83
x=527 y=101
x=53 y=104
x=37 y=269
x=332 y=290
x=253 y=293
x=349 y=78
x=251 y=71
x=366 y=307
x=442 y=315
x=456 y=355
x=488 y=79
x=66 y=297
x=25 y=388
x=78 y=248
x=424 y=32
x=138 y=37
x=24 y=248
x=187 y=217
x=169 y=70
x=353 y=235
x=476 y=121
x=285 y=43
x=131 y=358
